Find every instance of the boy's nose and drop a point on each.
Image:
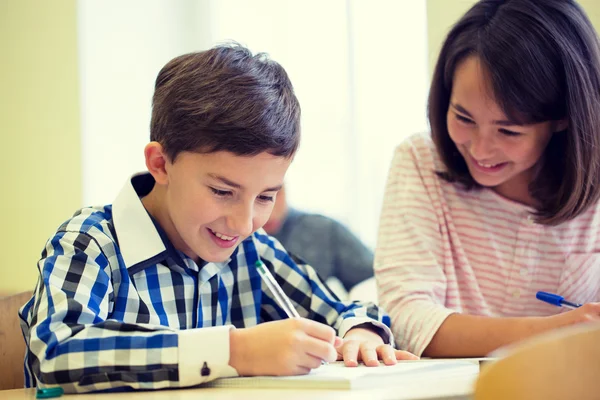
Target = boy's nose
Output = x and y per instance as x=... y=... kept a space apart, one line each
x=240 y=221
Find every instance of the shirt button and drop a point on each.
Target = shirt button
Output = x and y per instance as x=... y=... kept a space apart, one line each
x=516 y=294
x=531 y=219
x=524 y=272
x=205 y=371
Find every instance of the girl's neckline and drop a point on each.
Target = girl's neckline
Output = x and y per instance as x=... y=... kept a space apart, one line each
x=515 y=205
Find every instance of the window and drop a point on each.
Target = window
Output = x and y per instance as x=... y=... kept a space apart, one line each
x=359 y=69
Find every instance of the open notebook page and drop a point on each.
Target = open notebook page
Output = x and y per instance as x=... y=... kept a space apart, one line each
x=338 y=376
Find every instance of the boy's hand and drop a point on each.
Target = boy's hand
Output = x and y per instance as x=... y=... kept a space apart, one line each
x=291 y=346
x=364 y=345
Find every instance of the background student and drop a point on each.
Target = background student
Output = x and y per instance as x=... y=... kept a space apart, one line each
x=147 y=293
x=324 y=243
x=501 y=201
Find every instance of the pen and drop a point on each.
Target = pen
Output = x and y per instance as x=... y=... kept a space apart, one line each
x=280 y=296
x=282 y=299
x=48 y=393
x=556 y=300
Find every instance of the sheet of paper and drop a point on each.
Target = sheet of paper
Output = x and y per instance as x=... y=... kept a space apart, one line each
x=338 y=376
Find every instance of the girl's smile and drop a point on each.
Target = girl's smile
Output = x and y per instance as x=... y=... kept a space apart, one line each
x=500 y=154
x=486 y=167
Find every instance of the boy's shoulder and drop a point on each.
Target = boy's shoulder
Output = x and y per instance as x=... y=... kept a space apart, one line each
x=268 y=248
x=95 y=221
x=263 y=242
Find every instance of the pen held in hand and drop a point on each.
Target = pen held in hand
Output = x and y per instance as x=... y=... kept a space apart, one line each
x=276 y=290
x=556 y=300
x=281 y=298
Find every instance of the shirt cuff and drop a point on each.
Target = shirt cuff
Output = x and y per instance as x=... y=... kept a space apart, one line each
x=349 y=323
x=204 y=355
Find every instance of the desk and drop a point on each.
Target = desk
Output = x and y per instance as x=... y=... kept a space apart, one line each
x=448 y=389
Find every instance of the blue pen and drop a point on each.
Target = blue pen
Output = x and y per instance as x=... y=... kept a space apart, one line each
x=556 y=300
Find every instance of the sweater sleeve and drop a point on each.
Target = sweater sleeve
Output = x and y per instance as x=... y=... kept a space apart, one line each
x=410 y=251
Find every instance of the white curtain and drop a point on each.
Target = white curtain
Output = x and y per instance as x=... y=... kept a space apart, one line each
x=359 y=69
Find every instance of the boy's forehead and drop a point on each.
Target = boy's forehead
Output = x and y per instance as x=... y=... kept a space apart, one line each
x=228 y=158
x=263 y=169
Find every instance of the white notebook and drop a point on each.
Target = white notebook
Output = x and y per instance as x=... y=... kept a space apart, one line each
x=337 y=376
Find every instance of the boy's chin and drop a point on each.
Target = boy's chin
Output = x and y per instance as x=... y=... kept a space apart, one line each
x=218 y=258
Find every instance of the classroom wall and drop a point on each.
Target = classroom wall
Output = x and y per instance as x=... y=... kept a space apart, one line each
x=39 y=125
x=40 y=122
x=442 y=14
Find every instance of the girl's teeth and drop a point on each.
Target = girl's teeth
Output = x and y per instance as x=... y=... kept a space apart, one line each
x=486 y=165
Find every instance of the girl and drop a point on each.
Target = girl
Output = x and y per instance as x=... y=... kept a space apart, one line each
x=501 y=201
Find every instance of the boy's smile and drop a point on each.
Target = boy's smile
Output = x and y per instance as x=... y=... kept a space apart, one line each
x=209 y=203
x=222 y=240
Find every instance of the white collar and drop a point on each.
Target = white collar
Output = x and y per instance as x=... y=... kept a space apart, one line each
x=138 y=238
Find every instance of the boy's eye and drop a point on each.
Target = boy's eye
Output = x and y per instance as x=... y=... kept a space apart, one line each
x=464 y=119
x=509 y=133
x=221 y=193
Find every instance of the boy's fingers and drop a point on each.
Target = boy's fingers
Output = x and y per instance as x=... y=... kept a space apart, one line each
x=321 y=350
x=310 y=362
x=369 y=355
x=387 y=354
x=405 y=355
x=350 y=353
x=318 y=330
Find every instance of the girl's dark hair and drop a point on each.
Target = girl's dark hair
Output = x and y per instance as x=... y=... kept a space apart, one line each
x=225 y=99
x=543 y=61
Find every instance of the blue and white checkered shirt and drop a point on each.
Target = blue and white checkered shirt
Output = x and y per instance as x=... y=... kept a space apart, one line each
x=117 y=306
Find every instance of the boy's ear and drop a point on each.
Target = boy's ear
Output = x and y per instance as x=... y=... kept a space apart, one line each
x=560 y=125
x=156 y=162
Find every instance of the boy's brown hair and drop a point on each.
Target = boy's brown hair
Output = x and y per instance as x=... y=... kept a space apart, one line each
x=543 y=61
x=225 y=99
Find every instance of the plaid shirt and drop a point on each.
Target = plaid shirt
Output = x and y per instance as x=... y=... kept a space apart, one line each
x=117 y=306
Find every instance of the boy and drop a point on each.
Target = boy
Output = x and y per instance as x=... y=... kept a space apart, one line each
x=148 y=292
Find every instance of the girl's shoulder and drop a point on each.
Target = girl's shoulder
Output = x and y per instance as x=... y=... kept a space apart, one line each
x=587 y=220
x=419 y=150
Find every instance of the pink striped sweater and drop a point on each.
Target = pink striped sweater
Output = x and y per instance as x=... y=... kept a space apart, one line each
x=443 y=250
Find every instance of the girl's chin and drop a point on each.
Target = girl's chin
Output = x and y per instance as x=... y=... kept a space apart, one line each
x=486 y=180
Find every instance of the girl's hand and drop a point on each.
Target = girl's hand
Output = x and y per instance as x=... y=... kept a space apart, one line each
x=588 y=312
x=364 y=345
